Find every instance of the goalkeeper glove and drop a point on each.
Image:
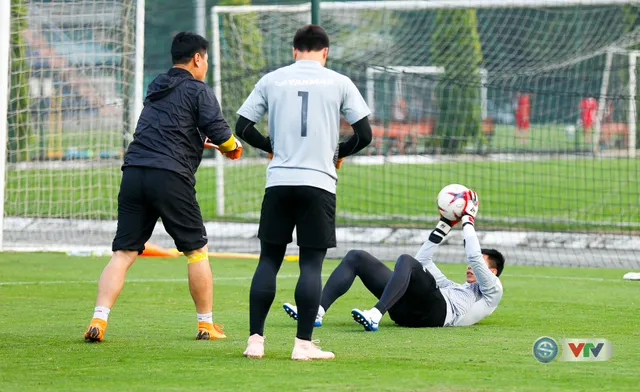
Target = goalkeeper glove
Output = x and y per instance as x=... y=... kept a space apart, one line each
x=236 y=153
x=470 y=207
x=231 y=154
x=442 y=229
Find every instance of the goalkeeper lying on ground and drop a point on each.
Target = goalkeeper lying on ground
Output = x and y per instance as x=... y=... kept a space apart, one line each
x=416 y=293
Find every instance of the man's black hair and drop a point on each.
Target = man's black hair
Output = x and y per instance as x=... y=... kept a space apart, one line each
x=310 y=38
x=185 y=45
x=496 y=258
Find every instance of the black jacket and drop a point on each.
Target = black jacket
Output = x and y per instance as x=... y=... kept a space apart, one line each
x=178 y=112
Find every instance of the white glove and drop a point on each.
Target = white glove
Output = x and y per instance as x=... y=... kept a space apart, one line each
x=470 y=208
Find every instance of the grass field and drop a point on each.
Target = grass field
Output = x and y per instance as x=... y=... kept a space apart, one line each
x=542 y=137
x=556 y=190
x=150 y=341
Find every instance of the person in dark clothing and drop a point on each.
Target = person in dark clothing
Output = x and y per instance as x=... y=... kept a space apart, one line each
x=158 y=180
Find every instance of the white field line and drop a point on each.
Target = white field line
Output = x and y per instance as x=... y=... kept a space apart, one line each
x=562 y=277
x=184 y=280
x=174 y=280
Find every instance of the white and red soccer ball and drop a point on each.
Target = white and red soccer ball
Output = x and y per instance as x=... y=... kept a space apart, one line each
x=451 y=201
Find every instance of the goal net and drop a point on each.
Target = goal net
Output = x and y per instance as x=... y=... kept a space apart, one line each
x=530 y=103
x=73 y=103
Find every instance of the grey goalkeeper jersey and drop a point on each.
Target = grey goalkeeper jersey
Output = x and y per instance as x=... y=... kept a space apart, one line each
x=467 y=303
x=304 y=101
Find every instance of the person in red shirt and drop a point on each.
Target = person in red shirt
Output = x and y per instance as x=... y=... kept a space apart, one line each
x=588 y=113
x=523 y=112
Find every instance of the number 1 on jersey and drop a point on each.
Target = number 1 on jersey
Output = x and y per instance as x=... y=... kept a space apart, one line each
x=303 y=111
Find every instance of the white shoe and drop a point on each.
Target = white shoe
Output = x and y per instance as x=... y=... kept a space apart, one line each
x=304 y=350
x=364 y=318
x=255 y=346
x=292 y=311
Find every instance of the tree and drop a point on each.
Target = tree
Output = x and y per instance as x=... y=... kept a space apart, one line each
x=18 y=117
x=242 y=60
x=456 y=47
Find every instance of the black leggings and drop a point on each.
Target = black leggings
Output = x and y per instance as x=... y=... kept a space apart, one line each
x=373 y=273
x=409 y=293
x=307 y=294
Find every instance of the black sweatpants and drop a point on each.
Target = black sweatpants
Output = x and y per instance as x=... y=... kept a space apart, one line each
x=307 y=294
x=409 y=293
x=312 y=212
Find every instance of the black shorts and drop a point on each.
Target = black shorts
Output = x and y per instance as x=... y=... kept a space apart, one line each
x=423 y=305
x=312 y=211
x=147 y=194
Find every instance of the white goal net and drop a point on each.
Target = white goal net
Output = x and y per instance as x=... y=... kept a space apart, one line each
x=531 y=103
x=74 y=93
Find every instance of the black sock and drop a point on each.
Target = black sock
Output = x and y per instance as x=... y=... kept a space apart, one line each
x=263 y=285
x=308 y=290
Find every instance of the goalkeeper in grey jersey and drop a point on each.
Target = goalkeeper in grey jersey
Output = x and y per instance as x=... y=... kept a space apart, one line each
x=417 y=294
x=304 y=102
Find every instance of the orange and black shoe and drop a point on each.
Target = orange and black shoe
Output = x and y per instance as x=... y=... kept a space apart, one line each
x=95 y=332
x=210 y=331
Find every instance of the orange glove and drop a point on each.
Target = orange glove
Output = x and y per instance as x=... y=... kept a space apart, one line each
x=234 y=154
x=339 y=163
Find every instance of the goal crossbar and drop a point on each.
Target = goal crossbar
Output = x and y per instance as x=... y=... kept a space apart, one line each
x=421 y=70
x=419 y=5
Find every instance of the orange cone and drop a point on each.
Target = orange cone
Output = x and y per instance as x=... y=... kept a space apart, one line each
x=153 y=250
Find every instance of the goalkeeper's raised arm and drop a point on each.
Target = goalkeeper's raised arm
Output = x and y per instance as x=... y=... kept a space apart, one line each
x=485 y=264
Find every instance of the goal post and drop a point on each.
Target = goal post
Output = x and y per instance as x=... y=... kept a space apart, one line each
x=418 y=70
x=5 y=40
x=612 y=64
x=138 y=97
x=71 y=91
x=633 y=57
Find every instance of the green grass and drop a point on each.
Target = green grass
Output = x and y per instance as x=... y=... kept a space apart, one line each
x=150 y=341
x=577 y=190
x=96 y=141
x=541 y=137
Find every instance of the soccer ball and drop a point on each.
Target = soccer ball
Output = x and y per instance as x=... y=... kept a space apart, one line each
x=451 y=201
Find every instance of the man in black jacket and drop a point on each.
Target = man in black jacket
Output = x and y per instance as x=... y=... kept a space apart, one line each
x=158 y=180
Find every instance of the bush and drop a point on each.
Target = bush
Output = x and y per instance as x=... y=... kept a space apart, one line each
x=456 y=47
